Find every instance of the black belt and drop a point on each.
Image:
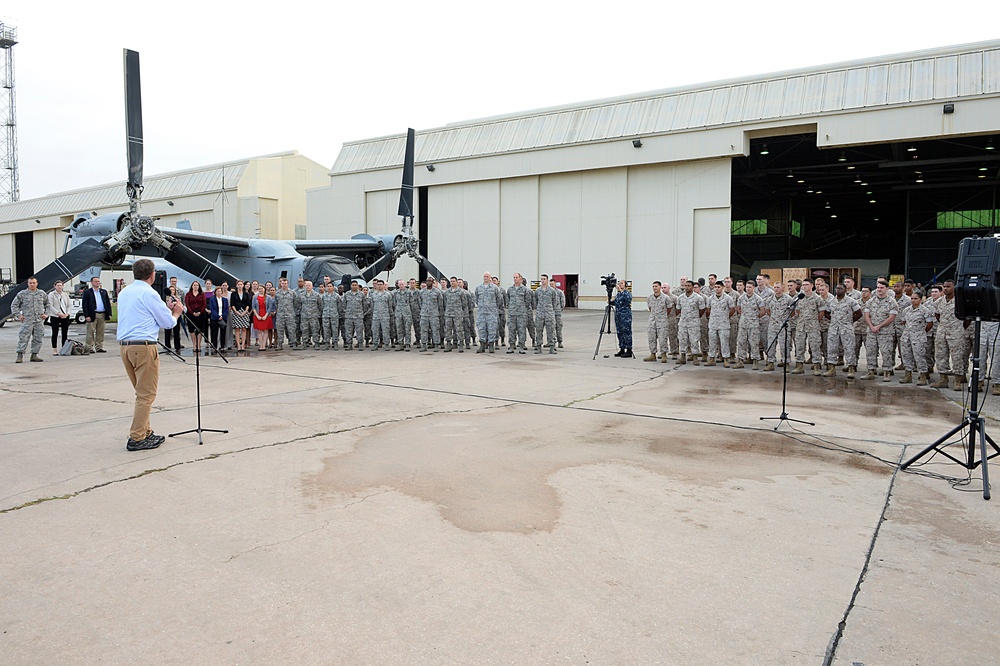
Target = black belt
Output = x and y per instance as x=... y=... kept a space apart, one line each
x=136 y=342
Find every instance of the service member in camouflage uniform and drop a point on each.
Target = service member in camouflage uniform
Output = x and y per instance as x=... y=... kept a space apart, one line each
x=843 y=311
x=401 y=299
x=672 y=317
x=546 y=302
x=691 y=307
x=560 y=306
x=489 y=300
x=310 y=308
x=366 y=316
x=502 y=314
x=332 y=310
x=519 y=300
x=917 y=322
x=750 y=306
x=779 y=306
x=30 y=306
x=381 y=315
x=354 y=316
x=658 y=304
x=287 y=303
x=299 y=290
x=880 y=312
x=951 y=350
x=807 y=330
x=455 y=310
x=415 y=290
x=431 y=307
x=720 y=307
x=765 y=291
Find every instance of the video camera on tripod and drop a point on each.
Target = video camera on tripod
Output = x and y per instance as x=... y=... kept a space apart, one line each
x=610 y=282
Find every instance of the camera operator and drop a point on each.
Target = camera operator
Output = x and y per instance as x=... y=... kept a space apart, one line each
x=623 y=320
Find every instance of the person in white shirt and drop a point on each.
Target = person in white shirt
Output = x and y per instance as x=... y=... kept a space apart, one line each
x=59 y=316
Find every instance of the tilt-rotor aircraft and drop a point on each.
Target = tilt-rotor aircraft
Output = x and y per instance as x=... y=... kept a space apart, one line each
x=106 y=241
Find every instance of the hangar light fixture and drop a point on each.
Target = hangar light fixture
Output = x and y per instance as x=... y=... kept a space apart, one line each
x=170 y=203
x=982 y=168
x=911 y=149
x=431 y=167
x=989 y=145
x=843 y=157
x=764 y=150
x=949 y=107
x=637 y=143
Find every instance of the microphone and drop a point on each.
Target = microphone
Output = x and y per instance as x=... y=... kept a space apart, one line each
x=800 y=296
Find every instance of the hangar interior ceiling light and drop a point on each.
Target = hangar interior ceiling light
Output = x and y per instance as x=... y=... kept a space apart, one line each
x=764 y=150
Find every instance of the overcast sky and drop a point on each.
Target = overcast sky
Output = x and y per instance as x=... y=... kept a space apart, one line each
x=223 y=81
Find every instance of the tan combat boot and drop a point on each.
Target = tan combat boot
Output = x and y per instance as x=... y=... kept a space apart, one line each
x=907 y=377
x=959 y=382
x=704 y=357
x=739 y=365
x=816 y=369
x=754 y=366
x=996 y=389
x=887 y=376
x=831 y=371
x=769 y=367
x=922 y=379
x=942 y=382
x=852 y=371
x=726 y=363
x=800 y=369
x=870 y=374
x=710 y=363
x=663 y=357
x=682 y=360
x=695 y=359
x=666 y=358
x=651 y=357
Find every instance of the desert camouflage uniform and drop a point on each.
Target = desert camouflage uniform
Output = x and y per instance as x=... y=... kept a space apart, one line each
x=689 y=324
x=748 y=337
x=765 y=293
x=778 y=309
x=840 y=336
x=913 y=343
x=656 y=329
x=807 y=329
x=672 y=318
x=951 y=350
x=718 y=325
x=879 y=309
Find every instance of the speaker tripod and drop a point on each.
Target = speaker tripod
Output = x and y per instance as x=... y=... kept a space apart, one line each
x=977 y=429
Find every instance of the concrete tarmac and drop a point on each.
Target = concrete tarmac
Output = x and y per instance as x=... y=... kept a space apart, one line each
x=443 y=508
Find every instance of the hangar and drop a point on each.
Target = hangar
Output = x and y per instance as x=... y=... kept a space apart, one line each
x=890 y=159
x=261 y=196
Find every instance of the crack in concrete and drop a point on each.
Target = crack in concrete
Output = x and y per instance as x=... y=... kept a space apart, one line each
x=213 y=456
x=68 y=395
x=307 y=532
x=658 y=375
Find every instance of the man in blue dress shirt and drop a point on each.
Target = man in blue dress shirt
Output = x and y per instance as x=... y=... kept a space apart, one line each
x=142 y=314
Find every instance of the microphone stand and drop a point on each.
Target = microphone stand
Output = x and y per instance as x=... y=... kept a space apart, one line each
x=197 y=384
x=171 y=352
x=784 y=372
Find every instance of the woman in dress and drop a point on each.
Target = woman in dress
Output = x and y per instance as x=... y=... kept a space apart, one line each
x=262 y=322
x=252 y=288
x=272 y=312
x=174 y=332
x=239 y=313
x=197 y=312
x=58 y=311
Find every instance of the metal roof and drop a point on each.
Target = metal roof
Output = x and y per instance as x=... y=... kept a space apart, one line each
x=176 y=184
x=947 y=73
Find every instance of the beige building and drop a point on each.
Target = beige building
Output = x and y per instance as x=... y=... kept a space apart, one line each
x=259 y=197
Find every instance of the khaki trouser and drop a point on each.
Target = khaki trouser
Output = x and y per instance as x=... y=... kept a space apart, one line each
x=142 y=364
x=95 y=332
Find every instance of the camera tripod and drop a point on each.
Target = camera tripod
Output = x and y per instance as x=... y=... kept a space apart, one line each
x=607 y=322
x=977 y=428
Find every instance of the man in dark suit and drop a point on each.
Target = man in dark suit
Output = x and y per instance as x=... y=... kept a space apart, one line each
x=96 y=311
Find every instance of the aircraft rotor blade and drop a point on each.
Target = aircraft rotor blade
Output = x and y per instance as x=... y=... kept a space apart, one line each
x=133 y=119
x=406 y=190
x=381 y=264
x=430 y=268
x=187 y=259
x=80 y=258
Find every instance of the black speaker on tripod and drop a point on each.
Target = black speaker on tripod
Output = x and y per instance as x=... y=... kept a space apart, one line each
x=977 y=285
x=977 y=296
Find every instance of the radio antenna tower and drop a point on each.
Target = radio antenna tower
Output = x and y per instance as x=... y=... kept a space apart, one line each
x=9 y=189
